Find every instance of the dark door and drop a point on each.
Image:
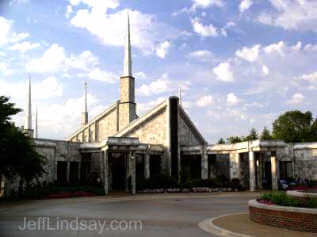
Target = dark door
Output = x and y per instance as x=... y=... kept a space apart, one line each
x=118 y=170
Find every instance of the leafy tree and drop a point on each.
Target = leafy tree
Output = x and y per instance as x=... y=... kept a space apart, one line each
x=266 y=134
x=221 y=141
x=234 y=139
x=295 y=126
x=253 y=135
x=18 y=155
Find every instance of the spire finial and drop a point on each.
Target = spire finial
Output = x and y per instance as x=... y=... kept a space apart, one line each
x=84 y=118
x=28 y=111
x=127 y=65
x=36 y=125
x=85 y=104
x=180 y=95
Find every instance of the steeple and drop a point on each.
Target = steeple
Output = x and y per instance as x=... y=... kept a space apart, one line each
x=84 y=118
x=127 y=65
x=127 y=107
x=36 y=125
x=180 y=95
x=28 y=109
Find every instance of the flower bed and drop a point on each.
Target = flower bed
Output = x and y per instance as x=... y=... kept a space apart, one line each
x=280 y=210
x=292 y=218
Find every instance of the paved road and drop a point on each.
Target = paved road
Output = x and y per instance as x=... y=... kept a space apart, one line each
x=160 y=215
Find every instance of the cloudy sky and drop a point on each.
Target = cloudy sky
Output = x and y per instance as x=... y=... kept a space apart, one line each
x=239 y=63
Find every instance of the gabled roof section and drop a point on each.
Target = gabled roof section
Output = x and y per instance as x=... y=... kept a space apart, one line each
x=141 y=120
x=190 y=124
x=99 y=116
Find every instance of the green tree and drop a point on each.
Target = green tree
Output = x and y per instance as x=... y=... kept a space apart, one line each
x=295 y=126
x=266 y=134
x=221 y=141
x=234 y=139
x=253 y=135
x=18 y=155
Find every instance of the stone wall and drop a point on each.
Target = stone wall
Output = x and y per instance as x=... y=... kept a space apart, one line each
x=153 y=130
x=298 y=219
x=305 y=164
x=185 y=134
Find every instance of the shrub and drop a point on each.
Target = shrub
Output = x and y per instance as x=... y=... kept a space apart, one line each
x=159 y=181
x=280 y=198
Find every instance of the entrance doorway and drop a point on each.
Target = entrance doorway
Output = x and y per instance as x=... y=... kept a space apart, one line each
x=118 y=171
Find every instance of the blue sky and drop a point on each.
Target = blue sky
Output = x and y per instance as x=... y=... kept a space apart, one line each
x=239 y=63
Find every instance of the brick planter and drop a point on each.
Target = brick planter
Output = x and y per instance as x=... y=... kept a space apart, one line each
x=292 y=218
x=301 y=195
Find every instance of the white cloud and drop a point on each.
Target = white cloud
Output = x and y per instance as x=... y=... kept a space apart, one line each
x=110 y=28
x=162 y=85
x=223 y=72
x=265 y=70
x=69 y=10
x=55 y=60
x=275 y=47
x=296 y=99
x=24 y=46
x=52 y=60
x=201 y=55
x=292 y=15
x=5 y=26
x=207 y=3
x=100 y=75
x=158 y=86
x=5 y=69
x=162 y=49
x=249 y=54
x=232 y=99
x=140 y=75
x=204 y=30
x=47 y=88
x=205 y=101
x=245 y=5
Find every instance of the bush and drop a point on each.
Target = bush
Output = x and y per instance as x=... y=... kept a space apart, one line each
x=280 y=198
x=159 y=181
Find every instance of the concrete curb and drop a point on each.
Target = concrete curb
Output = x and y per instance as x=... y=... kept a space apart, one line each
x=208 y=226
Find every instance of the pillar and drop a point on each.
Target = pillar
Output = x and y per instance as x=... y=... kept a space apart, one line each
x=147 y=165
x=234 y=165
x=260 y=170
x=274 y=171
x=252 y=171
x=68 y=171
x=204 y=162
x=132 y=171
x=106 y=171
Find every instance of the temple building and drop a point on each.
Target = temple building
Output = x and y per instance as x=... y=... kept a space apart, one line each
x=119 y=149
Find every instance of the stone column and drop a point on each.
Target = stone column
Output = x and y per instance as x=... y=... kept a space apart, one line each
x=147 y=165
x=234 y=165
x=204 y=162
x=68 y=171
x=274 y=171
x=252 y=171
x=132 y=171
x=106 y=171
x=260 y=170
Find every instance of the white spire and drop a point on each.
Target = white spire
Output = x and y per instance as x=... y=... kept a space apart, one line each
x=84 y=118
x=180 y=95
x=36 y=125
x=85 y=97
x=127 y=65
x=28 y=109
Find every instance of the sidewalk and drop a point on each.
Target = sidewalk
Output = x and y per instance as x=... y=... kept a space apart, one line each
x=240 y=223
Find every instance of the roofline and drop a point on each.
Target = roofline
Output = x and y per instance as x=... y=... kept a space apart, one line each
x=140 y=120
x=192 y=124
x=96 y=118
